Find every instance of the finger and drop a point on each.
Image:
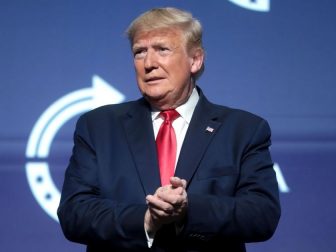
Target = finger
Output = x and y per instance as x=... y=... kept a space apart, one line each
x=159 y=204
x=177 y=182
x=165 y=188
x=158 y=214
x=170 y=195
x=169 y=189
x=172 y=198
x=161 y=217
x=184 y=183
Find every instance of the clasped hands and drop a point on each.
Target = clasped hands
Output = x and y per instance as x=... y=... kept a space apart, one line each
x=168 y=204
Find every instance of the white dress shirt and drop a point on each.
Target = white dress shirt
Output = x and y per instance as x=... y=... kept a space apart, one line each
x=181 y=123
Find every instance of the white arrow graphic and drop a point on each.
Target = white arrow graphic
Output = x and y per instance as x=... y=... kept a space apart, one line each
x=65 y=108
x=47 y=126
x=256 y=5
x=283 y=187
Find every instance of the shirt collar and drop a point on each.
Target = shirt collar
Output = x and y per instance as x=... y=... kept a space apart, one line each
x=185 y=110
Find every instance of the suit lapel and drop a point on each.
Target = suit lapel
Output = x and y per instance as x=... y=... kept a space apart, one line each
x=202 y=129
x=140 y=137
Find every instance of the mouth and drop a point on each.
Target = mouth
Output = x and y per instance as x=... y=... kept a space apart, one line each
x=152 y=80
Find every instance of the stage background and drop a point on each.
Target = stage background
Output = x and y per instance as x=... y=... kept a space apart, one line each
x=280 y=64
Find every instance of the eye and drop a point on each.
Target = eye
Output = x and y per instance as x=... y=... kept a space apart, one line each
x=164 y=50
x=139 y=53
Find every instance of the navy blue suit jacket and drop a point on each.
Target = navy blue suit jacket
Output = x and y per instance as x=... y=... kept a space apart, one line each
x=232 y=188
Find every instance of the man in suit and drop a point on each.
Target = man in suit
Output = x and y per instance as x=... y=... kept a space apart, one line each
x=221 y=189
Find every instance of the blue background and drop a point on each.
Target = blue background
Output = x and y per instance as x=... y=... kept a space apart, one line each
x=279 y=64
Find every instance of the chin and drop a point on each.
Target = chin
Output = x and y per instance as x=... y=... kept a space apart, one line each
x=155 y=93
x=158 y=101
x=154 y=97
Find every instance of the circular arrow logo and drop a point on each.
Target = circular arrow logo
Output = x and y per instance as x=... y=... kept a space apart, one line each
x=45 y=129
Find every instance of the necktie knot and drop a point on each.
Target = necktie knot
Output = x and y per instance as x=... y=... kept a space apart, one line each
x=169 y=115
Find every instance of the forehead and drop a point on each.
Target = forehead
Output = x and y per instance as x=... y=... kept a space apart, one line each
x=165 y=35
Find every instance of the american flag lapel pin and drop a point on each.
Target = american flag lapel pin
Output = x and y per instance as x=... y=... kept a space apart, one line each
x=209 y=129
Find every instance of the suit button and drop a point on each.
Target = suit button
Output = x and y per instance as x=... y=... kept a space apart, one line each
x=197 y=236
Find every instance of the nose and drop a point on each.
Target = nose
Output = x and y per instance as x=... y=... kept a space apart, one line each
x=150 y=60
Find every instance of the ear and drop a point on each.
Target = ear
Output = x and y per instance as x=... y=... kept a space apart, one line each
x=197 y=59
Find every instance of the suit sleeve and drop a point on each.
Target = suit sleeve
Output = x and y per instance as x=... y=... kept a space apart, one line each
x=85 y=215
x=252 y=211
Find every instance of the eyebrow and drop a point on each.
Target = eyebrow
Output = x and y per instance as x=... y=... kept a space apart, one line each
x=137 y=47
x=155 y=44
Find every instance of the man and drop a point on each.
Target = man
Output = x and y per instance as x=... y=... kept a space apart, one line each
x=221 y=189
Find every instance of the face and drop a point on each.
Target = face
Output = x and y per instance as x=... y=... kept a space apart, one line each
x=164 y=67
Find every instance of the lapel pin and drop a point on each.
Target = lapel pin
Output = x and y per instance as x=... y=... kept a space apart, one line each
x=209 y=129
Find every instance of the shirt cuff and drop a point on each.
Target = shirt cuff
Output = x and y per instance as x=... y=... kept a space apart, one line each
x=150 y=239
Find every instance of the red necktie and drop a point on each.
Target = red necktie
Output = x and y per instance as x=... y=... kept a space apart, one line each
x=166 y=146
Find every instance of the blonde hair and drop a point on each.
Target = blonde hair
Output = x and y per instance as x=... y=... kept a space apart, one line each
x=168 y=17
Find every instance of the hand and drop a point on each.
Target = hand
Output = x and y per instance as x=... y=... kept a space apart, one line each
x=168 y=204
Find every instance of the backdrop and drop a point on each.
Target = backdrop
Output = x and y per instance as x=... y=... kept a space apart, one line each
x=58 y=59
